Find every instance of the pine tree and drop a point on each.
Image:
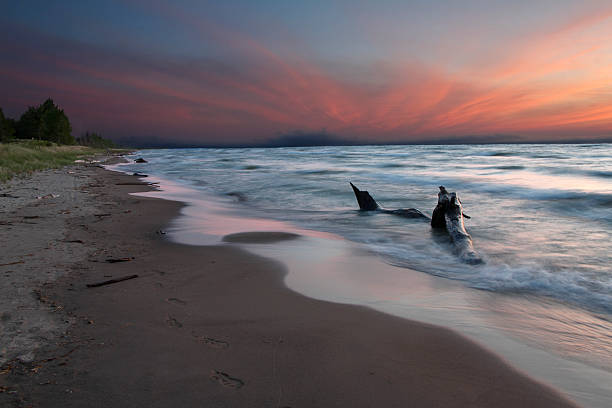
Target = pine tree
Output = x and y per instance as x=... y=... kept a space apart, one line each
x=45 y=122
x=6 y=128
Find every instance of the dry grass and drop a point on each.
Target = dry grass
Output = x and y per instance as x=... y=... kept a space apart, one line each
x=25 y=157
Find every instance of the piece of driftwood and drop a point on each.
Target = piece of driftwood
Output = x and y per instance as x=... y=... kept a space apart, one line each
x=115 y=260
x=111 y=281
x=448 y=214
x=12 y=263
x=137 y=183
x=367 y=203
x=140 y=160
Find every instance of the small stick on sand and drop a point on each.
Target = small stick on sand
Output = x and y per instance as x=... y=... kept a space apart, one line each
x=111 y=281
x=115 y=260
x=12 y=263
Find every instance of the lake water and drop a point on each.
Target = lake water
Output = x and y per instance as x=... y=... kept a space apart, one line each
x=540 y=219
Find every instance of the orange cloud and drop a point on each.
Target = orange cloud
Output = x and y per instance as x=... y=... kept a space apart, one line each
x=555 y=82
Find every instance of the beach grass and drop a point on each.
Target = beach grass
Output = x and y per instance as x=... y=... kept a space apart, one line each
x=25 y=157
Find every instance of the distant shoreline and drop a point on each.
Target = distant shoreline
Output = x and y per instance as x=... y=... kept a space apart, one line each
x=136 y=146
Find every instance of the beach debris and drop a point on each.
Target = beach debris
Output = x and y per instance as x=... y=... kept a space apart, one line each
x=367 y=203
x=176 y=300
x=225 y=379
x=47 y=196
x=138 y=183
x=140 y=160
x=103 y=215
x=30 y=217
x=73 y=241
x=161 y=232
x=115 y=260
x=8 y=195
x=364 y=199
x=111 y=281
x=12 y=263
x=139 y=175
x=447 y=215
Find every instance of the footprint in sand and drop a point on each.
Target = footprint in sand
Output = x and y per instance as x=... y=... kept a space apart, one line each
x=172 y=322
x=209 y=341
x=225 y=379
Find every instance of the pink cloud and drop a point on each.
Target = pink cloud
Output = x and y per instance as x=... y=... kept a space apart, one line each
x=549 y=84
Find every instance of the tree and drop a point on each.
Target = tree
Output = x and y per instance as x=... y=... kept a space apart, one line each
x=95 y=140
x=55 y=125
x=45 y=122
x=7 y=131
x=29 y=124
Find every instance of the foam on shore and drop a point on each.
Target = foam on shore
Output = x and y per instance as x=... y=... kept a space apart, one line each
x=259 y=237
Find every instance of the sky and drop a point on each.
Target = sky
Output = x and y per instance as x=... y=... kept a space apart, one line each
x=251 y=72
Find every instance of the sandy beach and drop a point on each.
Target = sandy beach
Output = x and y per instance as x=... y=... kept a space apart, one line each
x=201 y=325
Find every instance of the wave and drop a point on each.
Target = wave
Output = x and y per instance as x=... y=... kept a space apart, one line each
x=547 y=156
x=517 y=167
x=567 y=286
x=600 y=173
x=320 y=172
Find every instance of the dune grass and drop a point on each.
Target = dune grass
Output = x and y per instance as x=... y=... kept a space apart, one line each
x=18 y=158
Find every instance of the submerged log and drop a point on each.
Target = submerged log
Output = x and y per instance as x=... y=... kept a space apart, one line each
x=367 y=203
x=448 y=214
x=437 y=217
x=364 y=199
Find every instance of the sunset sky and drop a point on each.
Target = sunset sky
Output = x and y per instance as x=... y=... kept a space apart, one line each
x=232 y=72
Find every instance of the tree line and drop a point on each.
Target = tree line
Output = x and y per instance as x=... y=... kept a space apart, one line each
x=47 y=122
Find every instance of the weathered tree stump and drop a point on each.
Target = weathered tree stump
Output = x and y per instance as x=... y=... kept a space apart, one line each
x=367 y=203
x=448 y=214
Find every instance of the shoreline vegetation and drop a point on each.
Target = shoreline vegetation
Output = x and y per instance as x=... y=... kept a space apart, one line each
x=42 y=139
x=24 y=157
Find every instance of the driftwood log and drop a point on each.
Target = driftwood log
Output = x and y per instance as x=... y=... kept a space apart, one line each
x=447 y=215
x=111 y=281
x=367 y=203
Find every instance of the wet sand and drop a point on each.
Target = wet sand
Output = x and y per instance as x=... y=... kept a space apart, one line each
x=216 y=326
